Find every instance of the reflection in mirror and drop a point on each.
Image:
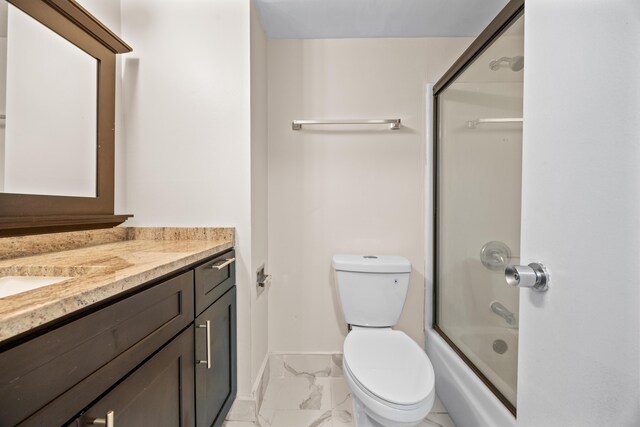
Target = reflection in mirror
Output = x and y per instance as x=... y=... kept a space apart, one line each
x=48 y=110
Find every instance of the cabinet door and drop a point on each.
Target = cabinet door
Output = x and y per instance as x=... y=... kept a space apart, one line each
x=159 y=393
x=216 y=382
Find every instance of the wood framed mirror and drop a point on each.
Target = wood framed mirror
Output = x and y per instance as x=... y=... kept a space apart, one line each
x=42 y=190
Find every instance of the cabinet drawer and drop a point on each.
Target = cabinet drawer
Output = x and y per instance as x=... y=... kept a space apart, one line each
x=49 y=379
x=160 y=393
x=213 y=279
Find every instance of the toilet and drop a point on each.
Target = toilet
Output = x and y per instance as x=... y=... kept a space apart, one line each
x=390 y=376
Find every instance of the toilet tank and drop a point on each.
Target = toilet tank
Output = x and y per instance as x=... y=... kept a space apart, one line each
x=372 y=289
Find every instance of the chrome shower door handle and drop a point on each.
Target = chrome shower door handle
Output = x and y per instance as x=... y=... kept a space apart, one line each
x=533 y=276
x=207 y=326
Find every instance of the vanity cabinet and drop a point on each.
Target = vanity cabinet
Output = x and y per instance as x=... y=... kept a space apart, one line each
x=50 y=378
x=142 y=355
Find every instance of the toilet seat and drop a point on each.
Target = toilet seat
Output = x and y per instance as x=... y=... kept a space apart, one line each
x=389 y=365
x=390 y=373
x=373 y=397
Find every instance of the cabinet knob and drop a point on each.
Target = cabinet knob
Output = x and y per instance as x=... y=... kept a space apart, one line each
x=108 y=420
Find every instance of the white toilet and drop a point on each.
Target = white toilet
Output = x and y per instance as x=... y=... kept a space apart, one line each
x=390 y=376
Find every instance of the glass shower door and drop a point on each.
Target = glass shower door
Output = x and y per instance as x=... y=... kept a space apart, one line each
x=478 y=193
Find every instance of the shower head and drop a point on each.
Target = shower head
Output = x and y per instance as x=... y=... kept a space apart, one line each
x=516 y=63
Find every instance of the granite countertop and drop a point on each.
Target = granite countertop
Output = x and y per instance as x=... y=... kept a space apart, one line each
x=101 y=264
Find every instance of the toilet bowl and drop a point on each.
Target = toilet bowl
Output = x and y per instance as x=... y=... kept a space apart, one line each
x=390 y=376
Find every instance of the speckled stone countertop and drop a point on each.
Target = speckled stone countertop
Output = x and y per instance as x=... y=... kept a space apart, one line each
x=102 y=263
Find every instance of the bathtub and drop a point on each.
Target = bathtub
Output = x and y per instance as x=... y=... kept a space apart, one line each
x=470 y=403
x=500 y=368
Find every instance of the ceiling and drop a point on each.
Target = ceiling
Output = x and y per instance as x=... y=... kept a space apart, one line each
x=317 y=19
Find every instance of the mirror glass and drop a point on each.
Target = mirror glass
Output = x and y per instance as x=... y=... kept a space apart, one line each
x=48 y=110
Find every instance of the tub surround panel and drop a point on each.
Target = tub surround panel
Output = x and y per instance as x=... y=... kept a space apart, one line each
x=98 y=272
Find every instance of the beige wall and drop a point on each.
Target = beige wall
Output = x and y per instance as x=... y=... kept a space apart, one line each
x=345 y=189
x=259 y=307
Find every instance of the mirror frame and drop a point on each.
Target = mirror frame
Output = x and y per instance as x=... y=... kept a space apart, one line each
x=22 y=214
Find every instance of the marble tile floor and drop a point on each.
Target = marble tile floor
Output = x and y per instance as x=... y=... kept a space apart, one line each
x=304 y=394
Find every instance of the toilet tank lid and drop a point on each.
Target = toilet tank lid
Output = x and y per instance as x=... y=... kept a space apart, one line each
x=371 y=263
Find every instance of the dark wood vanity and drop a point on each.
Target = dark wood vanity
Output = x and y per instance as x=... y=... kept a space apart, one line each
x=162 y=354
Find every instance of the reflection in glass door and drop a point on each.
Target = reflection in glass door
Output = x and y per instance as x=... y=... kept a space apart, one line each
x=479 y=168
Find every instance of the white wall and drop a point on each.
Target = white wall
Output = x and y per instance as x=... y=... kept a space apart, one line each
x=580 y=342
x=187 y=128
x=344 y=189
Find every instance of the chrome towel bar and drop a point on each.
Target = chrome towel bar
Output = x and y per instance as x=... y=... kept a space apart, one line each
x=394 y=124
x=473 y=123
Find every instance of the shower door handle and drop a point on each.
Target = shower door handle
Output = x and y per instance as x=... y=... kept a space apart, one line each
x=533 y=276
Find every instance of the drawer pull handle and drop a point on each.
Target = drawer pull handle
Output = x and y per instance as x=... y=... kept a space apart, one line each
x=207 y=326
x=108 y=420
x=223 y=264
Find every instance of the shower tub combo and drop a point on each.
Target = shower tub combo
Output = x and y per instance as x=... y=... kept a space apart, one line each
x=476 y=114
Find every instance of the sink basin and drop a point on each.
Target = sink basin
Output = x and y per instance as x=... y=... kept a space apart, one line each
x=11 y=285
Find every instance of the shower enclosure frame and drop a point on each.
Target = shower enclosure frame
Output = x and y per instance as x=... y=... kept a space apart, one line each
x=511 y=12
